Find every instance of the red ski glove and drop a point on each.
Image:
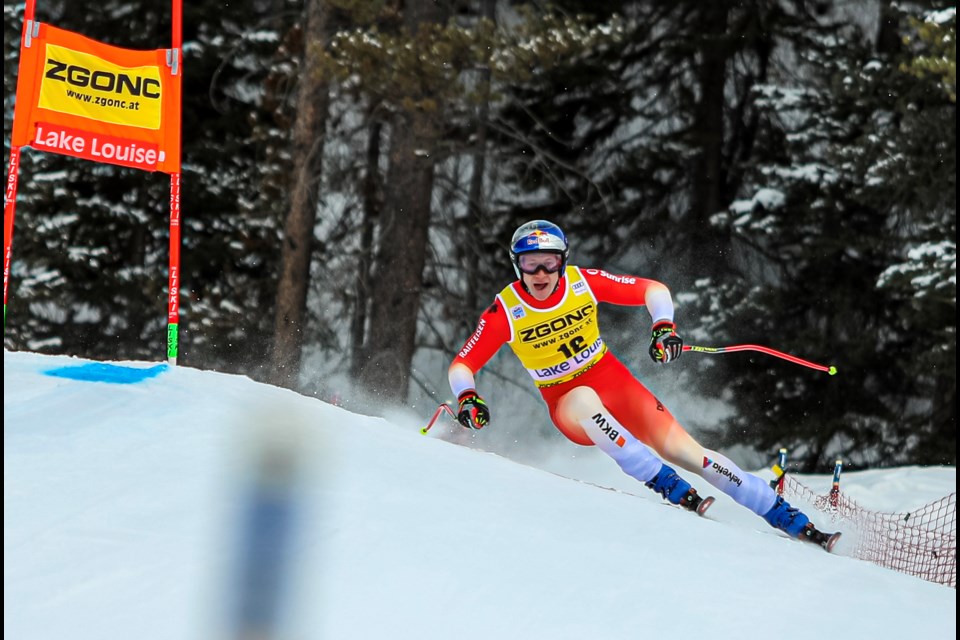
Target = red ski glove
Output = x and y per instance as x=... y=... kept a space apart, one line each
x=473 y=412
x=665 y=344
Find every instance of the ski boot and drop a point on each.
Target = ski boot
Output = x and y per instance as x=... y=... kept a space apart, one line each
x=678 y=491
x=795 y=524
x=788 y=519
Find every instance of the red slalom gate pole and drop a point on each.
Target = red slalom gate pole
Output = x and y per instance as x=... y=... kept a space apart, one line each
x=832 y=370
x=835 y=489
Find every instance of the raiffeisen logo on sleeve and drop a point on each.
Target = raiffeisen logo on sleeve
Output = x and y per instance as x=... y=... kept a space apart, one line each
x=467 y=348
x=87 y=86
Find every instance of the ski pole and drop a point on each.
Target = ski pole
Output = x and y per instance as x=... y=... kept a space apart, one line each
x=832 y=370
x=436 y=414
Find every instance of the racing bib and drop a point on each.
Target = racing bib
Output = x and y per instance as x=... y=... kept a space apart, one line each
x=556 y=344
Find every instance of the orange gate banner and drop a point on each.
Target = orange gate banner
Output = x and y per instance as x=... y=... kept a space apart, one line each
x=83 y=98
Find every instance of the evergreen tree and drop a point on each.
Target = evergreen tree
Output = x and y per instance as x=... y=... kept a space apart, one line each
x=307 y=140
x=853 y=192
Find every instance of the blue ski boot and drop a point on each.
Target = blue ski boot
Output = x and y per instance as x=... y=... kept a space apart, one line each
x=678 y=491
x=786 y=518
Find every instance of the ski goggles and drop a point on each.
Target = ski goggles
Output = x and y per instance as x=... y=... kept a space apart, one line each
x=534 y=261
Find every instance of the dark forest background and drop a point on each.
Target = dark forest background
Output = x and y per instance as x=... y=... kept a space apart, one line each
x=353 y=170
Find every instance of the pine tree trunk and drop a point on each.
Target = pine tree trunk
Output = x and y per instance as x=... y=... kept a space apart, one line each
x=395 y=290
x=396 y=287
x=312 y=100
x=372 y=204
x=708 y=170
x=476 y=216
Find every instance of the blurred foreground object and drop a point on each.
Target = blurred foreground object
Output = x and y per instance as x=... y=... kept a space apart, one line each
x=270 y=520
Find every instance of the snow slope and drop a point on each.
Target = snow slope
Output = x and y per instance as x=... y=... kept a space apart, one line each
x=127 y=511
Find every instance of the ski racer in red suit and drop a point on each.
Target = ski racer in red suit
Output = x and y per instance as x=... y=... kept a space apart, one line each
x=548 y=316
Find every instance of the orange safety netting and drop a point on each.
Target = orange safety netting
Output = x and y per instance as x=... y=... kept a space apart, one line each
x=921 y=543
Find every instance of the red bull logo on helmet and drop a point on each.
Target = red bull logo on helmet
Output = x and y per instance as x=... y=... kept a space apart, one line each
x=538 y=238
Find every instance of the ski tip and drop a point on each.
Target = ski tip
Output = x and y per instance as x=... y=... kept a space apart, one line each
x=831 y=541
x=704 y=505
x=826 y=540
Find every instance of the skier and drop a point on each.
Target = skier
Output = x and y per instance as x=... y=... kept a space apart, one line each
x=548 y=316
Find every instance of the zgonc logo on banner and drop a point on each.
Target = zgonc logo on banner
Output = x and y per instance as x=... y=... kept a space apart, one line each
x=91 y=100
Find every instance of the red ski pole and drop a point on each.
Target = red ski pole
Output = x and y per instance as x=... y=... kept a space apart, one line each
x=436 y=414
x=832 y=370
